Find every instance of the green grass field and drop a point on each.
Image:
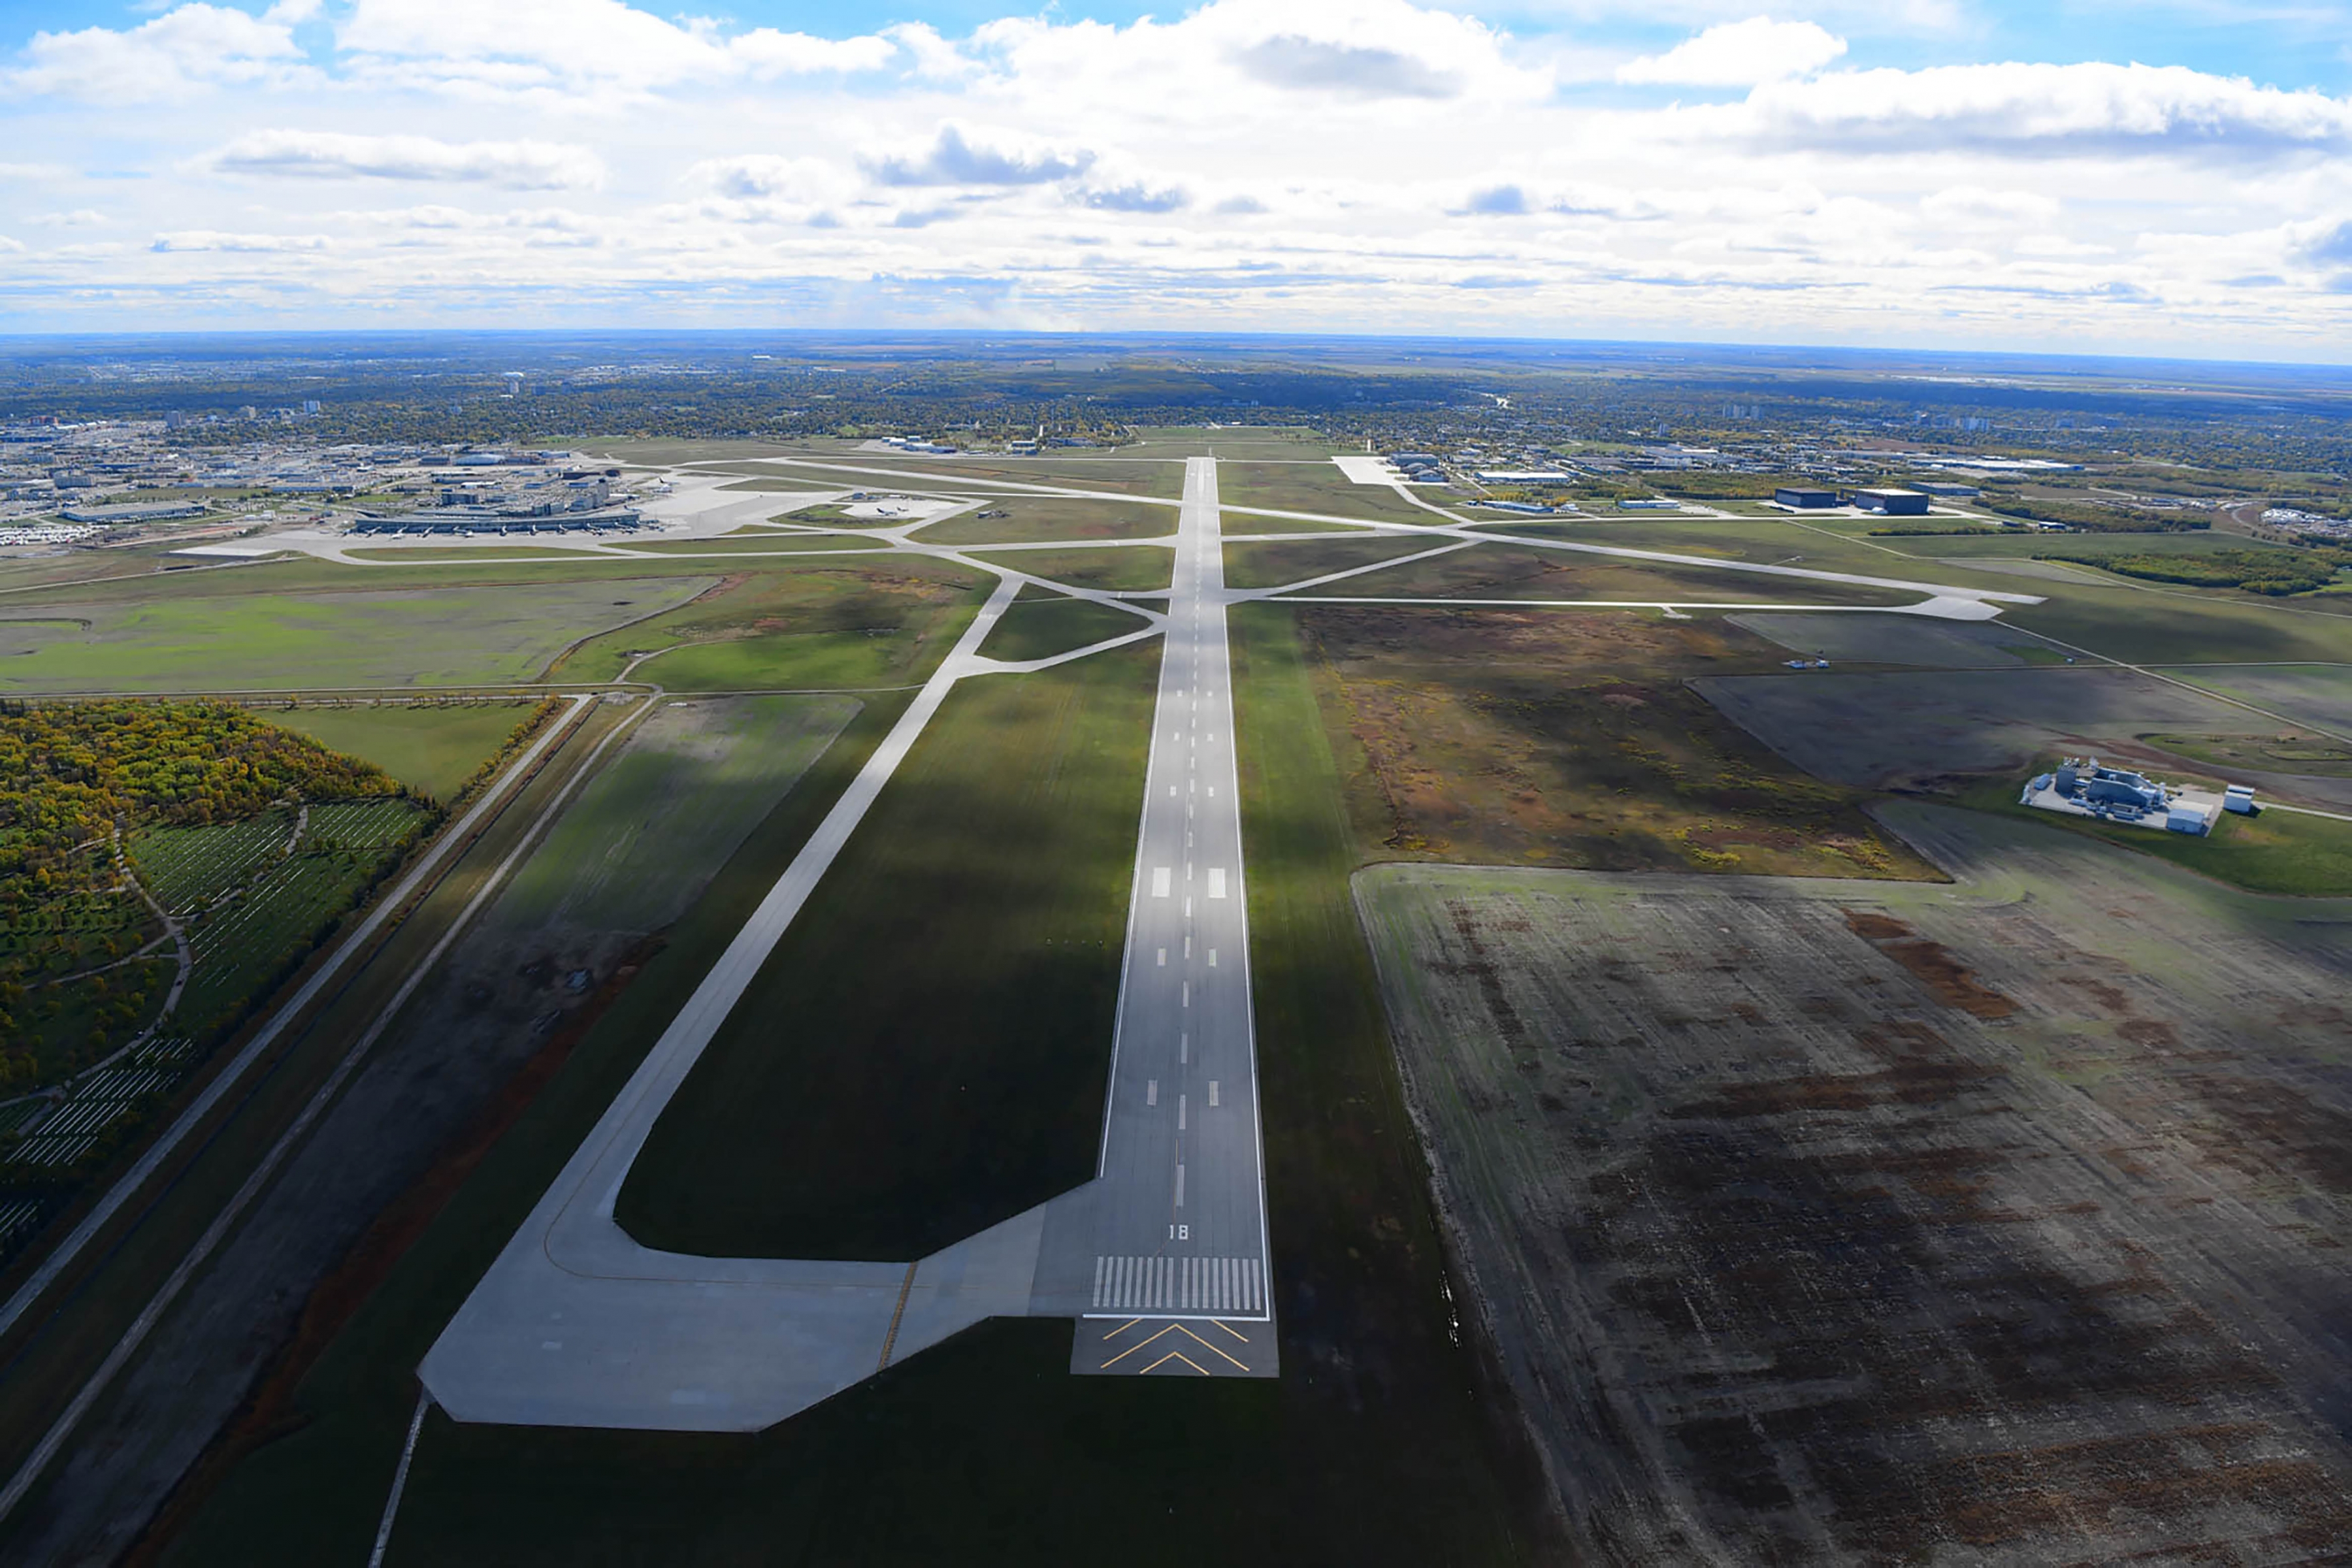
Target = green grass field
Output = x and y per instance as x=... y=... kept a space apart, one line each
x=794 y=661
x=826 y=623
x=638 y=841
x=1140 y=570
x=458 y=634
x=1042 y=627
x=431 y=747
x=1309 y=487
x=925 y=1052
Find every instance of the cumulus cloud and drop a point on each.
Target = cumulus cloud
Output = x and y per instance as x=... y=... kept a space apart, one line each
x=1739 y=54
x=954 y=158
x=80 y=217
x=332 y=155
x=2056 y=110
x=1224 y=55
x=1974 y=207
x=1355 y=69
x=185 y=47
x=766 y=176
x=201 y=239
x=1136 y=197
x=576 y=45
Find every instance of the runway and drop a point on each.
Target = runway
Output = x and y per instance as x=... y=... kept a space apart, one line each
x=1175 y=1228
x=1162 y=1258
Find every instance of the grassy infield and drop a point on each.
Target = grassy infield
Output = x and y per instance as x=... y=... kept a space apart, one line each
x=1373 y=1446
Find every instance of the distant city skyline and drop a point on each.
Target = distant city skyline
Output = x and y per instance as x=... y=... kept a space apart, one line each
x=2166 y=179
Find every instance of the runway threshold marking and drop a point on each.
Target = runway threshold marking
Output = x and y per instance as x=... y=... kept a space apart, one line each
x=1177 y=1354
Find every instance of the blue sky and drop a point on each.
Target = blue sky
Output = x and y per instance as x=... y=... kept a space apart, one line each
x=2165 y=178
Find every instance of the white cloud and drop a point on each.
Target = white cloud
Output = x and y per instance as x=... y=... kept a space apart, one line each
x=1136 y=197
x=80 y=218
x=576 y=47
x=168 y=57
x=1974 y=207
x=767 y=176
x=1221 y=58
x=985 y=158
x=1739 y=54
x=326 y=154
x=2092 y=108
x=202 y=239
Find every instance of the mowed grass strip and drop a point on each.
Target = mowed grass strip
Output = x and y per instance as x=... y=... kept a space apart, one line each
x=1042 y=627
x=1140 y=569
x=924 y=1054
x=1025 y=519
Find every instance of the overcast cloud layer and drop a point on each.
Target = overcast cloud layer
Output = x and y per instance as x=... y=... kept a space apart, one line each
x=1848 y=174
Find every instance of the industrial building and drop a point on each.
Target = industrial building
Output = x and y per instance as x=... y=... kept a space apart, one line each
x=1892 y=503
x=2081 y=787
x=133 y=511
x=1804 y=500
x=444 y=521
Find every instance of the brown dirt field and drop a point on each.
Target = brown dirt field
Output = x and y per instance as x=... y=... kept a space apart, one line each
x=1562 y=738
x=1830 y=1223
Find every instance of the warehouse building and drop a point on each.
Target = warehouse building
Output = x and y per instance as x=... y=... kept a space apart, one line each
x=1892 y=503
x=1804 y=500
